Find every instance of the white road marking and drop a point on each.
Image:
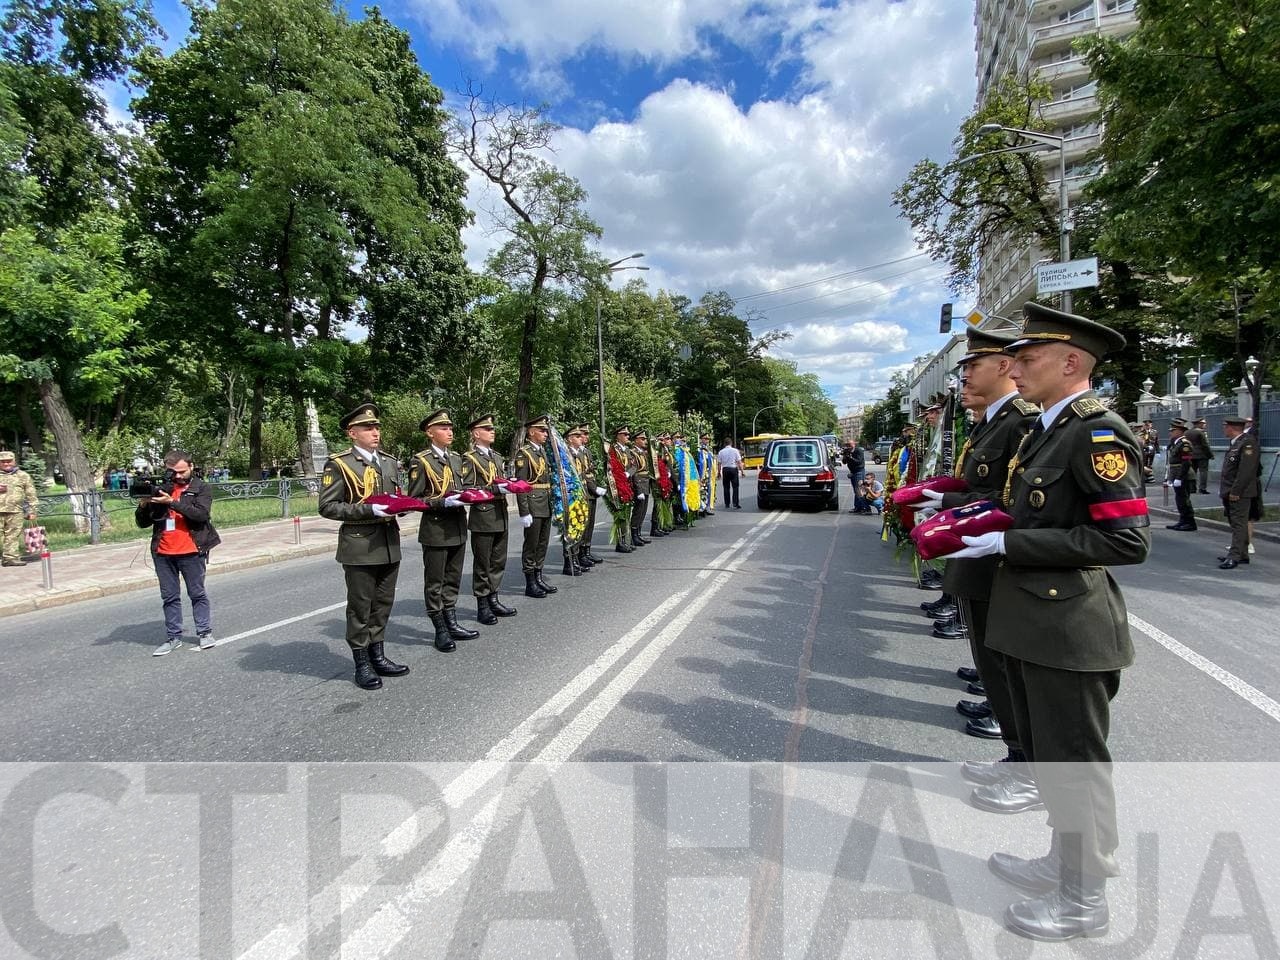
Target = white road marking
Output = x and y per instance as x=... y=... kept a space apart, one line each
x=223 y=641
x=388 y=924
x=1243 y=690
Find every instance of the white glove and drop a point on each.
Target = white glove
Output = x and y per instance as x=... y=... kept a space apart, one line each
x=453 y=501
x=1176 y=484
x=600 y=491
x=379 y=510
x=985 y=545
x=932 y=500
x=526 y=521
x=501 y=485
x=639 y=496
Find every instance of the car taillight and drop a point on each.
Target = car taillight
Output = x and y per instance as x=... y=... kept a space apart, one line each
x=765 y=474
x=826 y=476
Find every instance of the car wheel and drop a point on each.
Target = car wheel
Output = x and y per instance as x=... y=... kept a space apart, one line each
x=833 y=503
x=762 y=501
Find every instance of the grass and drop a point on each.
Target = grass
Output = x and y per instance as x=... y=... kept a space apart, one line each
x=227 y=512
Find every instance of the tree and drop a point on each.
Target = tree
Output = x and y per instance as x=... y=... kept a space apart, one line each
x=547 y=228
x=885 y=417
x=1191 y=103
x=803 y=405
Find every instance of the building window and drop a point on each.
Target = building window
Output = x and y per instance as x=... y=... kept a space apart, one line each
x=1120 y=6
x=1082 y=12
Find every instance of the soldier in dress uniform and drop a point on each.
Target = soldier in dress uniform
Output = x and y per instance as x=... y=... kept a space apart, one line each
x=1003 y=419
x=1076 y=495
x=622 y=450
x=663 y=458
x=1201 y=452
x=641 y=483
x=1182 y=474
x=589 y=472
x=368 y=540
x=1239 y=486
x=435 y=476
x=484 y=469
x=535 y=506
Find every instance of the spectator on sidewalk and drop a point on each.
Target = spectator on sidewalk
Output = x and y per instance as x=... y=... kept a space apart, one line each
x=730 y=458
x=853 y=458
x=18 y=498
x=181 y=537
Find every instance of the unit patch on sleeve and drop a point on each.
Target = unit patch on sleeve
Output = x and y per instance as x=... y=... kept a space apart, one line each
x=1110 y=466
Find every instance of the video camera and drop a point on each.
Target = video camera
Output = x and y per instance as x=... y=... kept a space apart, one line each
x=150 y=486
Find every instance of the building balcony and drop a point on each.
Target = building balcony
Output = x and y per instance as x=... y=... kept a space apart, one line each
x=1062 y=113
x=1062 y=72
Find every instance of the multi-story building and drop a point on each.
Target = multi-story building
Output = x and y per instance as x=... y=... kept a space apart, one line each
x=851 y=425
x=1030 y=38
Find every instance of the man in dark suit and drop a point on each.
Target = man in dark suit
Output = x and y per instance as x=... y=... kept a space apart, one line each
x=435 y=476
x=1076 y=494
x=368 y=540
x=484 y=469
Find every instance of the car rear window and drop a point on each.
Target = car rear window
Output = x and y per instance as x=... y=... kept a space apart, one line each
x=783 y=453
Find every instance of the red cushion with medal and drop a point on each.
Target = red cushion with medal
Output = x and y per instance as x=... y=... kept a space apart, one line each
x=518 y=486
x=940 y=534
x=475 y=496
x=915 y=492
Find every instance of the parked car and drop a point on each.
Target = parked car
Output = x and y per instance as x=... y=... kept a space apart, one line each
x=881 y=450
x=797 y=470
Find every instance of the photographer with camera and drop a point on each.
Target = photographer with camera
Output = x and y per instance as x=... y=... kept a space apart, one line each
x=177 y=508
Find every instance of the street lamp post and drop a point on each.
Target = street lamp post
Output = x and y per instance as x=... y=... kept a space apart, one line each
x=773 y=406
x=735 y=418
x=610 y=268
x=1040 y=140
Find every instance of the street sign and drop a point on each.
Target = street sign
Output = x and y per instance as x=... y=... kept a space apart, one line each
x=975 y=317
x=1052 y=277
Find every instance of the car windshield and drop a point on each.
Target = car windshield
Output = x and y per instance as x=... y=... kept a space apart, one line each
x=785 y=453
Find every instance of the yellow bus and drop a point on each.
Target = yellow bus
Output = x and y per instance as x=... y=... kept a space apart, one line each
x=753 y=449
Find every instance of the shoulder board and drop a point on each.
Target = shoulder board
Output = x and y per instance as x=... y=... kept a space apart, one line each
x=1088 y=407
x=1025 y=408
x=342 y=453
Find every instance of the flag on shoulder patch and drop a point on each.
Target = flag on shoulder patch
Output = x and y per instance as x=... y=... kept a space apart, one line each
x=1103 y=436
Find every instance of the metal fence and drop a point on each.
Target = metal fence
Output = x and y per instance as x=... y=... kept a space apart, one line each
x=93 y=505
x=1214 y=414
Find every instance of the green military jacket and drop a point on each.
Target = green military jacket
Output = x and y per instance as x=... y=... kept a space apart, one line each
x=433 y=477
x=1241 y=468
x=531 y=465
x=483 y=470
x=1181 y=454
x=641 y=468
x=586 y=467
x=18 y=493
x=983 y=463
x=1078 y=502
x=347 y=481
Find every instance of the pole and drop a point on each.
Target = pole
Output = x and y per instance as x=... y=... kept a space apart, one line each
x=1064 y=210
x=735 y=418
x=600 y=367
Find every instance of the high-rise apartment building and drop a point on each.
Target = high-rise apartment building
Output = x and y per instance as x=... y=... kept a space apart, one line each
x=1030 y=37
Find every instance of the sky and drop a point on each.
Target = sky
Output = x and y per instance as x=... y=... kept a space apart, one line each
x=749 y=146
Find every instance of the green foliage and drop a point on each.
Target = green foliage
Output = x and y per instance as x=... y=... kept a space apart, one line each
x=401 y=414
x=885 y=418
x=640 y=403
x=804 y=407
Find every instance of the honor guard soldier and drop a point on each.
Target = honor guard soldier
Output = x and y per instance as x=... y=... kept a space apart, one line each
x=1201 y=452
x=484 y=468
x=368 y=540
x=1076 y=496
x=1239 y=484
x=1182 y=474
x=1003 y=419
x=642 y=484
x=435 y=476
x=576 y=440
x=535 y=506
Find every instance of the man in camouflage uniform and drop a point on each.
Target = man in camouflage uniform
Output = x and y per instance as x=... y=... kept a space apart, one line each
x=483 y=468
x=641 y=483
x=368 y=540
x=435 y=476
x=1239 y=485
x=1076 y=495
x=18 y=498
x=535 y=506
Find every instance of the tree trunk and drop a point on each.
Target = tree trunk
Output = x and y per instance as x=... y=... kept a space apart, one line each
x=236 y=410
x=35 y=436
x=528 y=343
x=255 y=426
x=70 y=444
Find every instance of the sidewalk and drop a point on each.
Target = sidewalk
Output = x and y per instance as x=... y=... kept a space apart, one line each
x=85 y=573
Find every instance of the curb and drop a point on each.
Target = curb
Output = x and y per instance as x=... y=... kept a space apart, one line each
x=1261 y=531
x=61 y=598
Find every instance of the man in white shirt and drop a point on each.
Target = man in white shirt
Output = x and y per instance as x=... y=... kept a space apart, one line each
x=730 y=459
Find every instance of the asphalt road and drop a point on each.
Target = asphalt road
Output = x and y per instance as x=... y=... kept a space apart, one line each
x=758 y=637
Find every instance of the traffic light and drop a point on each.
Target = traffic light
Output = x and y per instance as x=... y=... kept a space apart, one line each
x=944 y=324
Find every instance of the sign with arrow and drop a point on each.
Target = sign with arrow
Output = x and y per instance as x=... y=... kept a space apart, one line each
x=1053 y=277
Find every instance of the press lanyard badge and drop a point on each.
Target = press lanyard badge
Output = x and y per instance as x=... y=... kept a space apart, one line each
x=170 y=523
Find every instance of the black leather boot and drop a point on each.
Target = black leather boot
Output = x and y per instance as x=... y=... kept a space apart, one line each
x=542 y=581
x=484 y=613
x=1040 y=875
x=1078 y=908
x=591 y=556
x=497 y=608
x=624 y=547
x=444 y=642
x=1015 y=793
x=584 y=559
x=456 y=630
x=381 y=665
x=531 y=586
x=365 y=677
x=570 y=569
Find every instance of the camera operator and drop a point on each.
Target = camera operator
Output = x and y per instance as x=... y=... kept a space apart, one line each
x=872 y=493
x=177 y=510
